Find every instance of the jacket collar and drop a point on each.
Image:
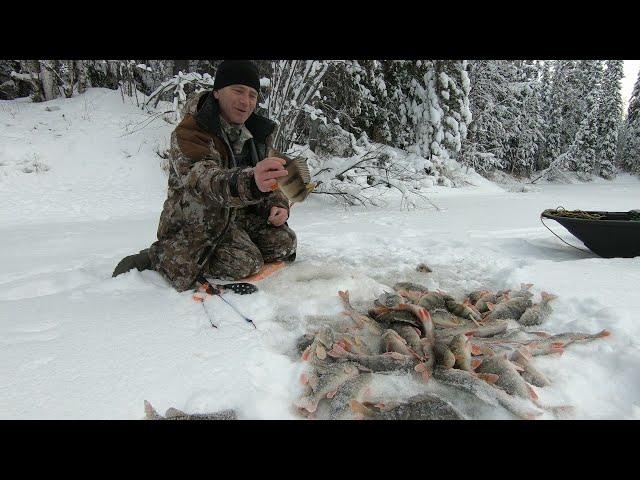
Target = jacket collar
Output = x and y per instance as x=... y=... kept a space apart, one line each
x=207 y=117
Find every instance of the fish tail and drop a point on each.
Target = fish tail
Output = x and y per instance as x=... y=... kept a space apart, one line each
x=150 y=412
x=360 y=409
x=310 y=404
x=532 y=392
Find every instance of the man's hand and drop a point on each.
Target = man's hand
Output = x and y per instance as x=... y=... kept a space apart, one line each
x=266 y=171
x=278 y=216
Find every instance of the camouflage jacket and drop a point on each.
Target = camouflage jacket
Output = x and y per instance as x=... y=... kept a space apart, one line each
x=206 y=190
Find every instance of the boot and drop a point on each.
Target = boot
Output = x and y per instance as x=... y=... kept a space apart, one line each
x=140 y=261
x=290 y=258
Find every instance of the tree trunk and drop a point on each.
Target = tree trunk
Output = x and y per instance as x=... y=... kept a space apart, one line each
x=33 y=67
x=180 y=66
x=49 y=80
x=82 y=75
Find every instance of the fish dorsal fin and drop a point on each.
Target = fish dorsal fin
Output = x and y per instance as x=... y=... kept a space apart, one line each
x=303 y=169
x=516 y=366
x=272 y=152
x=174 y=412
x=298 y=164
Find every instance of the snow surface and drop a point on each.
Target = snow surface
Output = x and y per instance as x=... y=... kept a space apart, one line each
x=82 y=186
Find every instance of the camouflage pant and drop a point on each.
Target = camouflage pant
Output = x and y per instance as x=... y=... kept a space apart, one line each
x=249 y=243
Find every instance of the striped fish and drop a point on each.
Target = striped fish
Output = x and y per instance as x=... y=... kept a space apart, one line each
x=297 y=184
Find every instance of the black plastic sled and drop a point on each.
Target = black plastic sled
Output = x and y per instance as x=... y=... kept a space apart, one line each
x=614 y=234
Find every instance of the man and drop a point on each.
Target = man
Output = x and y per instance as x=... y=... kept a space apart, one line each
x=221 y=217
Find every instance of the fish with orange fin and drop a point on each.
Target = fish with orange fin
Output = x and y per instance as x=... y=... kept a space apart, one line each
x=385 y=362
x=322 y=341
x=460 y=346
x=406 y=313
x=361 y=320
x=388 y=300
x=333 y=377
x=531 y=374
x=486 y=392
x=508 y=377
x=357 y=344
x=351 y=390
x=419 y=407
x=489 y=330
x=411 y=335
x=477 y=295
x=443 y=318
x=296 y=185
x=393 y=342
x=464 y=310
x=509 y=309
x=426 y=365
x=422 y=315
x=511 y=380
x=556 y=343
x=410 y=291
x=482 y=303
x=524 y=291
x=432 y=300
x=538 y=313
x=388 y=316
x=444 y=357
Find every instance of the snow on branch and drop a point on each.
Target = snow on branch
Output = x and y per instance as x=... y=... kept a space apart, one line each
x=178 y=88
x=365 y=178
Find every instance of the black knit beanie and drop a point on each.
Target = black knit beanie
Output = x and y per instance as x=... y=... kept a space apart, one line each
x=242 y=72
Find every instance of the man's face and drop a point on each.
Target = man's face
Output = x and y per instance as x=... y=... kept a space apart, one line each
x=237 y=102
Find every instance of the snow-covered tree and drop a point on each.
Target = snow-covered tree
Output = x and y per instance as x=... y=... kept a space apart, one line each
x=610 y=118
x=432 y=105
x=345 y=97
x=496 y=107
x=295 y=87
x=449 y=107
x=630 y=141
x=378 y=106
x=423 y=110
x=545 y=112
x=402 y=90
x=527 y=127
x=565 y=113
x=582 y=154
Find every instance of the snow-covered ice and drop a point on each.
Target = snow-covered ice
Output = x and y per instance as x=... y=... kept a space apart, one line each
x=82 y=186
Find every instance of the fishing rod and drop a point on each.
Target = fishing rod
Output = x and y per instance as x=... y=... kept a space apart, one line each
x=242 y=288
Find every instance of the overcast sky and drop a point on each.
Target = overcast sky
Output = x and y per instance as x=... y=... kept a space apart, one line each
x=631 y=68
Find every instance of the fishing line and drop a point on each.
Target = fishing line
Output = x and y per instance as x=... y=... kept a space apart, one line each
x=577 y=248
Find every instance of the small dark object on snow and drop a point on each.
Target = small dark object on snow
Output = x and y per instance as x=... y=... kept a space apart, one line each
x=608 y=234
x=424 y=268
